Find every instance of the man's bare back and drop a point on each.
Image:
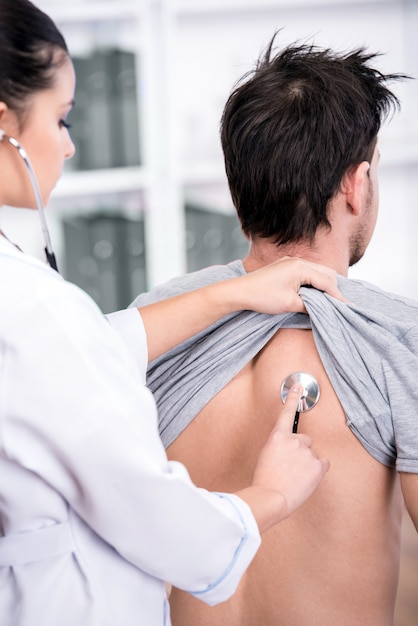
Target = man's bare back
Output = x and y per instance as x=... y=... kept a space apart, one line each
x=333 y=562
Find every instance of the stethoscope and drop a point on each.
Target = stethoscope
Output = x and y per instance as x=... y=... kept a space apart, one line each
x=50 y=256
x=310 y=393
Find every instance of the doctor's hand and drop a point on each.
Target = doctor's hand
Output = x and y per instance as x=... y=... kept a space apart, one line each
x=287 y=472
x=275 y=287
x=271 y=289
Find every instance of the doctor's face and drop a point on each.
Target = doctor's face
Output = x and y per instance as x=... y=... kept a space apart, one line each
x=44 y=135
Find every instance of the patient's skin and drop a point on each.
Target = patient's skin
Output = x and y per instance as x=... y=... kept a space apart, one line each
x=335 y=561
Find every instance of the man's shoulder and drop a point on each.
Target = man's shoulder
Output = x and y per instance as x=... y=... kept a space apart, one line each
x=189 y=282
x=370 y=296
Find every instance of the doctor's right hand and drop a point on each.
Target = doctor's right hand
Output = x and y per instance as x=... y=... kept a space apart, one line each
x=287 y=472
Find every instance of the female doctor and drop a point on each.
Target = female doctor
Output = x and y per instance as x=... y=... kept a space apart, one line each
x=93 y=518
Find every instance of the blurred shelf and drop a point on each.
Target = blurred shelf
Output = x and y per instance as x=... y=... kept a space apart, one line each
x=96 y=182
x=204 y=172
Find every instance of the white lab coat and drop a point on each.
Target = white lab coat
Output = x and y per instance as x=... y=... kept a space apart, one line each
x=93 y=518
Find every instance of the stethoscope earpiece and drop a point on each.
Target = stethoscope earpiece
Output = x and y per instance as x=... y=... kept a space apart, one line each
x=310 y=394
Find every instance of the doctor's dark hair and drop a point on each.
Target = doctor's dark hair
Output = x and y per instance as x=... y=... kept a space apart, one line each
x=31 y=47
x=290 y=131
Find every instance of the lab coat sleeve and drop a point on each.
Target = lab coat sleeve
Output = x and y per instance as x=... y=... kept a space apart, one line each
x=128 y=324
x=87 y=426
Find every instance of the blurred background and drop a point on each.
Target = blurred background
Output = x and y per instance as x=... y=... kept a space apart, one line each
x=145 y=197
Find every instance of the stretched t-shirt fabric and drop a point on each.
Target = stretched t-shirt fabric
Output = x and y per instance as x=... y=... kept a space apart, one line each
x=368 y=346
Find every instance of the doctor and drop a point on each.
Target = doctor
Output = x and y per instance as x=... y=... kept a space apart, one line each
x=93 y=518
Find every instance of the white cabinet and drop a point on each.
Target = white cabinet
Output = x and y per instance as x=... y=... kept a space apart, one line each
x=145 y=189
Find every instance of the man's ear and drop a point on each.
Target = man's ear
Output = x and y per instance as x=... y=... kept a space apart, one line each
x=355 y=185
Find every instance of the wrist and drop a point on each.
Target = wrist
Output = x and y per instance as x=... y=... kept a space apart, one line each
x=268 y=507
x=227 y=296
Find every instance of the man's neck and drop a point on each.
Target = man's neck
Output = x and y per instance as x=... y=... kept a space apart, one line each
x=262 y=252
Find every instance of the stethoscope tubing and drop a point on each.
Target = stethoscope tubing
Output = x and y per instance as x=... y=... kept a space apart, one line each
x=49 y=252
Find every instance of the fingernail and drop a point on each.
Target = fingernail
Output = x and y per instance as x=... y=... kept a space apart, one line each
x=297 y=388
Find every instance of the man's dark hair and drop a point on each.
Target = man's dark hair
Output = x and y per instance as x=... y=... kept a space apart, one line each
x=291 y=131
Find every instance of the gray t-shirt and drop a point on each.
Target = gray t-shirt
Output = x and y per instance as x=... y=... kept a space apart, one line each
x=368 y=346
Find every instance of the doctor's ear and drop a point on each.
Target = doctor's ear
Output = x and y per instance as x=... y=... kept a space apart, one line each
x=355 y=185
x=3 y=109
x=4 y=117
x=9 y=122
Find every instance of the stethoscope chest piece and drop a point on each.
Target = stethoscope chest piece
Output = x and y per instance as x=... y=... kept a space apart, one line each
x=310 y=393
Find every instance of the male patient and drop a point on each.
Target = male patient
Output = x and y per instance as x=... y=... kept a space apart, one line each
x=300 y=142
